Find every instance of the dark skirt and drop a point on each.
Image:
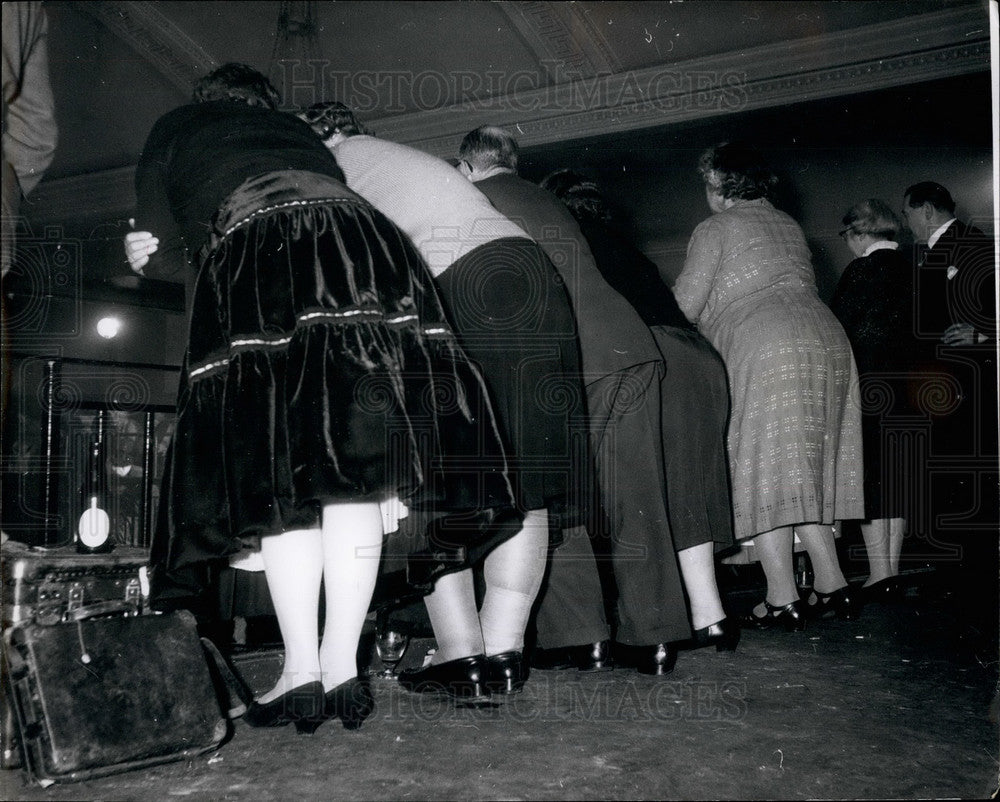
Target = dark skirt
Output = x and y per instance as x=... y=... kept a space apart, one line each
x=320 y=368
x=512 y=316
x=695 y=415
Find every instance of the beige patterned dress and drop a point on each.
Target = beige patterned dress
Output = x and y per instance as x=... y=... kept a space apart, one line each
x=795 y=432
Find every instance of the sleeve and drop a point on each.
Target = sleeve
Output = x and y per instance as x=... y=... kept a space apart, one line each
x=694 y=284
x=972 y=296
x=153 y=212
x=30 y=132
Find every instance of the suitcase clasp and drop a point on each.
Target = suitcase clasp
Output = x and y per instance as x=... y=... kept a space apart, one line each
x=74 y=600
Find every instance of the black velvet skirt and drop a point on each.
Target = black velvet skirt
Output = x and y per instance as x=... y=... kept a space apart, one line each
x=320 y=368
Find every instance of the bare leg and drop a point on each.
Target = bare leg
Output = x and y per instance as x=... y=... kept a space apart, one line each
x=293 y=565
x=883 y=541
x=822 y=548
x=698 y=571
x=776 y=558
x=352 y=543
x=451 y=607
x=513 y=574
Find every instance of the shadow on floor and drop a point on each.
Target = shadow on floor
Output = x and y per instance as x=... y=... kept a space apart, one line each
x=894 y=705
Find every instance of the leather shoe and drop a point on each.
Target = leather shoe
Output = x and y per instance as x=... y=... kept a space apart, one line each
x=352 y=702
x=885 y=591
x=844 y=603
x=586 y=657
x=464 y=678
x=506 y=672
x=791 y=617
x=657 y=659
x=725 y=634
x=303 y=706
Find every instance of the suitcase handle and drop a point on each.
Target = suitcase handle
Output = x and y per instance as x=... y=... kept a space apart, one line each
x=102 y=608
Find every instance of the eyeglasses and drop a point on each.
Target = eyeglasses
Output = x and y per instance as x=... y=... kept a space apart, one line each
x=844 y=232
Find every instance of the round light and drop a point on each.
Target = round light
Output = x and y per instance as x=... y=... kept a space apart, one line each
x=108 y=327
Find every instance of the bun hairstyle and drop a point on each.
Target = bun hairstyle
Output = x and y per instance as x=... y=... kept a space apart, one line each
x=737 y=170
x=873 y=217
x=332 y=117
x=582 y=196
x=239 y=83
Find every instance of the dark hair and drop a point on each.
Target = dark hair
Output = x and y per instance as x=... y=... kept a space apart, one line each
x=331 y=117
x=582 y=196
x=737 y=170
x=239 y=83
x=489 y=146
x=873 y=217
x=930 y=192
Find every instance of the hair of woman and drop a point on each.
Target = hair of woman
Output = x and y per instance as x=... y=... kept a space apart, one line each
x=737 y=170
x=331 y=117
x=873 y=217
x=581 y=196
x=239 y=83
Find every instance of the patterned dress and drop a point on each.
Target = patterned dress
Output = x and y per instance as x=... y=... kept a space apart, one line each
x=795 y=432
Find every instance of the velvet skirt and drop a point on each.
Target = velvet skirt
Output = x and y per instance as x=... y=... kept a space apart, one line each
x=320 y=368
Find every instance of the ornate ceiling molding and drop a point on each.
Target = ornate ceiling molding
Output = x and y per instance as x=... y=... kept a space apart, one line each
x=911 y=50
x=564 y=34
x=152 y=35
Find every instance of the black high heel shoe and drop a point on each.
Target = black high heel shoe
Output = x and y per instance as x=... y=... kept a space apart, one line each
x=657 y=659
x=790 y=616
x=352 y=702
x=506 y=672
x=302 y=706
x=464 y=679
x=725 y=634
x=844 y=603
x=885 y=591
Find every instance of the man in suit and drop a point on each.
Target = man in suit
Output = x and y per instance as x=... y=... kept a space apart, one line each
x=955 y=270
x=622 y=371
x=955 y=305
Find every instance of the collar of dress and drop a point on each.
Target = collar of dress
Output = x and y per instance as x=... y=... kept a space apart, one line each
x=881 y=245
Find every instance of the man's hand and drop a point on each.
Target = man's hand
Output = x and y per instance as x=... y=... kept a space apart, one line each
x=959 y=334
x=139 y=246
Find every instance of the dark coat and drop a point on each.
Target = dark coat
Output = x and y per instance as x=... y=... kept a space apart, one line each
x=612 y=336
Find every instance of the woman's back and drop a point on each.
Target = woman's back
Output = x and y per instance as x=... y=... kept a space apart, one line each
x=738 y=258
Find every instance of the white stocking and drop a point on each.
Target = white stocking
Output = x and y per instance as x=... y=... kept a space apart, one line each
x=352 y=544
x=513 y=574
x=698 y=572
x=293 y=565
x=451 y=607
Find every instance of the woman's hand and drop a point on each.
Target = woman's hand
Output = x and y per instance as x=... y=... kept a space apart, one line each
x=139 y=246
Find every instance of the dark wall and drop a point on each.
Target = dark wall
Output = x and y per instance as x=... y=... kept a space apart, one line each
x=830 y=154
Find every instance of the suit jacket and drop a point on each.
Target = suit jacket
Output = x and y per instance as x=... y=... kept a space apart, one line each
x=955 y=283
x=612 y=336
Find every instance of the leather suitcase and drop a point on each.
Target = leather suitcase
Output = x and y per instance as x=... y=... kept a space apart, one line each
x=104 y=695
x=47 y=586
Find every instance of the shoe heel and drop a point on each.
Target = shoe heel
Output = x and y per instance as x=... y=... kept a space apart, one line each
x=352 y=702
x=307 y=726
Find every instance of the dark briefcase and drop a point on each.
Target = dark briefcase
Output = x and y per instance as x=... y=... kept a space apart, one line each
x=100 y=696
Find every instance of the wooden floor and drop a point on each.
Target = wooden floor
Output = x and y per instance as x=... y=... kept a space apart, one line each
x=897 y=705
